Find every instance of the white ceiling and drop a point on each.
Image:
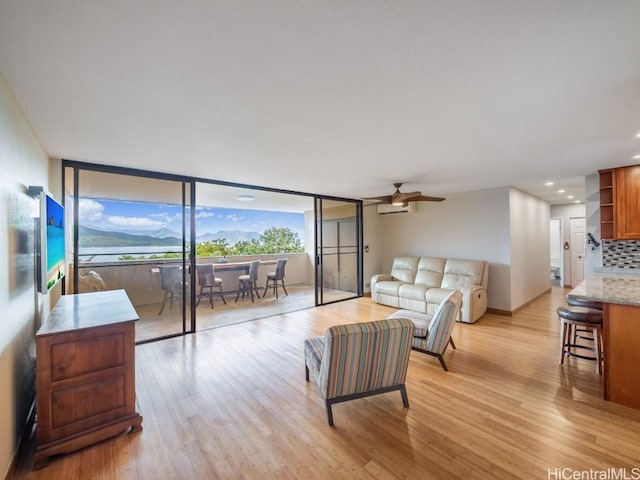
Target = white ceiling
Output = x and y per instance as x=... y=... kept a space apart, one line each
x=337 y=98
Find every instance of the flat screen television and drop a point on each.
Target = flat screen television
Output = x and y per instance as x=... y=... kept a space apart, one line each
x=51 y=265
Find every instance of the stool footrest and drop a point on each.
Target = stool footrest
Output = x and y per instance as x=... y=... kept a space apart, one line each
x=577 y=355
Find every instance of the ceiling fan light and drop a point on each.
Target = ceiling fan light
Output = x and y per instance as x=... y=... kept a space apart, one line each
x=399 y=204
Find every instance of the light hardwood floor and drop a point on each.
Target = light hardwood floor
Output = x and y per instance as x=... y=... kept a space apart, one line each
x=232 y=403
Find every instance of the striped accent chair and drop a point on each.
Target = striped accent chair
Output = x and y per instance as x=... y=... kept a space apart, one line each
x=360 y=359
x=432 y=335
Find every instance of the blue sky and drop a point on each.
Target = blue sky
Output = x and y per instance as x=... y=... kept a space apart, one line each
x=137 y=216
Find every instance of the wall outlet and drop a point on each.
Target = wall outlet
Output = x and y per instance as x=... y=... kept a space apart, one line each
x=366 y=285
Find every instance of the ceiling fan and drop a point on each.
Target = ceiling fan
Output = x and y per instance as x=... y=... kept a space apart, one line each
x=401 y=199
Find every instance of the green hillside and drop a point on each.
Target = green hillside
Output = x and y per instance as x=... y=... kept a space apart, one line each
x=91 y=237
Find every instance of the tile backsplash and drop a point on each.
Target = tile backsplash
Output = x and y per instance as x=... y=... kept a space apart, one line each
x=621 y=253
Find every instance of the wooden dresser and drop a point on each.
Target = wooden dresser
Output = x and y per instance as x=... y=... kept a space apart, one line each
x=85 y=373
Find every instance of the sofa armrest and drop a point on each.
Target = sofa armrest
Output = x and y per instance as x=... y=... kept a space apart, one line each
x=381 y=277
x=474 y=303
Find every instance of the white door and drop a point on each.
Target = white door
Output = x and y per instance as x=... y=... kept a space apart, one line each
x=555 y=251
x=578 y=248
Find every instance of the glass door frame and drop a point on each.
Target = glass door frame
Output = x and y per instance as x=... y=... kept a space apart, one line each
x=188 y=255
x=319 y=250
x=189 y=232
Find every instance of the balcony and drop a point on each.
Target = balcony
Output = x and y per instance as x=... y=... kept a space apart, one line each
x=141 y=280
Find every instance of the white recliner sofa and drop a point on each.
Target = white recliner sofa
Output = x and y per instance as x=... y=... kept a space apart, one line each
x=421 y=283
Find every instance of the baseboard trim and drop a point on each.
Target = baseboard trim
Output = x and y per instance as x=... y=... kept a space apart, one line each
x=511 y=313
x=23 y=442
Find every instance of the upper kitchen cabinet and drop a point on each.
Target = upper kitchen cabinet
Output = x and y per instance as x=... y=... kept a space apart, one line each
x=627 y=202
x=620 y=203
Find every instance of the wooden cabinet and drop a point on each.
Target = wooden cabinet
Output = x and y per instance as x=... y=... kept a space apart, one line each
x=620 y=203
x=627 y=202
x=85 y=373
x=621 y=354
x=606 y=205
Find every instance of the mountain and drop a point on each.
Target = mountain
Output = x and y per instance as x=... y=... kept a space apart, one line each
x=95 y=237
x=232 y=236
x=92 y=237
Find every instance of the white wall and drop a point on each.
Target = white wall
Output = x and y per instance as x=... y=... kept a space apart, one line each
x=592 y=212
x=565 y=213
x=506 y=227
x=471 y=225
x=529 y=227
x=24 y=163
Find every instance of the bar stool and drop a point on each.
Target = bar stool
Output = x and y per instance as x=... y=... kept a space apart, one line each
x=586 y=318
x=579 y=302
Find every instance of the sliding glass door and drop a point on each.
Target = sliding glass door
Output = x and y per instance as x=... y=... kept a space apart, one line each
x=180 y=246
x=338 y=250
x=132 y=233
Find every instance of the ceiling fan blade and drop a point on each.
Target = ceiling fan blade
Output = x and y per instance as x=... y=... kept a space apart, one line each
x=425 y=198
x=381 y=199
x=401 y=197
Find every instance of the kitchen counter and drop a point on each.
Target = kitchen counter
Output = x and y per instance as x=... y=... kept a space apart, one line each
x=620 y=295
x=609 y=288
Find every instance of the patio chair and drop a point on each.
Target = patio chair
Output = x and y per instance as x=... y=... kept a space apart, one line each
x=171 y=283
x=248 y=283
x=275 y=277
x=207 y=280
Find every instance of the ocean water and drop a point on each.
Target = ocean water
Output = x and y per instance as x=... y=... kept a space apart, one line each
x=55 y=246
x=111 y=254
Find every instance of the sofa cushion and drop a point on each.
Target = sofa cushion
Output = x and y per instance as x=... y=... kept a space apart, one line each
x=412 y=292
x=430 y=271
x=388 y=287
x=437 y=295
x=462 y=273
x=404 y=269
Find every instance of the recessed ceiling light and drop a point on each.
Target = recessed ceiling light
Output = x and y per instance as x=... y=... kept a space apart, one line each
x=548 y=184
x=246 y=198
x=636 y=157
x=638 y=135
x=576 y=201
x=562 y=190
x=569 y=196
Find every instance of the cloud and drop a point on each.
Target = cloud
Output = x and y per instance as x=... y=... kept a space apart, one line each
x=90 y=210
x=136 y=222
x=205 y=214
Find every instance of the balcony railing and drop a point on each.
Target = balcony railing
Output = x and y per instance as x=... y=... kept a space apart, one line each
x=139 y=278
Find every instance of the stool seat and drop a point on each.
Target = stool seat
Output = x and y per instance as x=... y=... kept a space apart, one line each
x=580 y=314
x=578 y=302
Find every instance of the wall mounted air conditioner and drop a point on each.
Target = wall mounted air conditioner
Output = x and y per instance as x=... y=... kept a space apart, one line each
x=388 y=209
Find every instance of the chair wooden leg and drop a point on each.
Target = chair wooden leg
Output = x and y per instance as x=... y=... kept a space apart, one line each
x=596 y=348
x=329 y=413
x=306 y=372
x=444 y=365
x=405 y=399
x=453 y=345
x=284 y=288
x=255 y=288
x=564 y=334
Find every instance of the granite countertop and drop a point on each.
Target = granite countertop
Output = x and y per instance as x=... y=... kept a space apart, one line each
x=609 y=288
